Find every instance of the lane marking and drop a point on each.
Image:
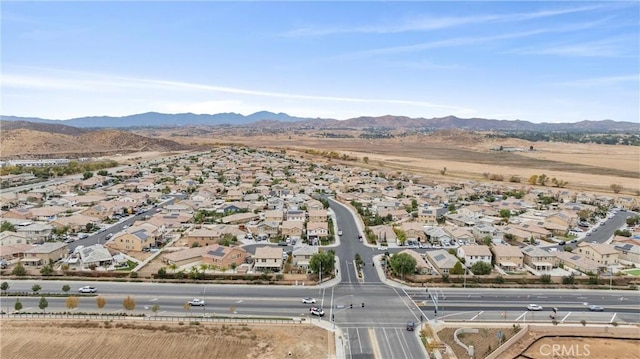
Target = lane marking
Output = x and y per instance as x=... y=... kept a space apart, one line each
x=405 y=302
x=613 y=317
x=404 y=339
x=565 y=317
x=359 y=341
x=521 y=315
x=477 y=315
x=401 y=344
x=375 y=347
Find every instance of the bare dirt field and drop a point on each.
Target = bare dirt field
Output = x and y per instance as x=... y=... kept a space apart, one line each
x=60 y=339
x=554 y=342
x=570 y=348
x=465 y=155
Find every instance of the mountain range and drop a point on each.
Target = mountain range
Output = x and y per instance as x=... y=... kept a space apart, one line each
x=265 y=119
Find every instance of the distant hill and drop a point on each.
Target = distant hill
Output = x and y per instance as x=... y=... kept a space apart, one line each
x=22 y=139
x=266 y=119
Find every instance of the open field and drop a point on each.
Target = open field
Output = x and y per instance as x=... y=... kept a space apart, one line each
x=550 y=342
x=465 y=155
x=69 y=339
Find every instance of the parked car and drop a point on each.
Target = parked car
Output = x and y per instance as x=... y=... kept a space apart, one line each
x=411 y=326
x=308 y=300
x=88 y=289
x=339 y=232
x=282 y=243
x=317 y=311
x=381 y=248
x=534 y=307
x=596 y=308
x=562 y=243
x=196 y=303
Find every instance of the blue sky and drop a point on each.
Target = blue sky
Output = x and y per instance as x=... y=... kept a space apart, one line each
x=562 y=61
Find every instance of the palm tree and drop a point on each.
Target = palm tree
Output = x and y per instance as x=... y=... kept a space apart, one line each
x=173 y=267
x=204 y=267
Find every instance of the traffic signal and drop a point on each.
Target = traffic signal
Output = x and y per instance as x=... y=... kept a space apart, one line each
x=362 y=304
x=351 y=306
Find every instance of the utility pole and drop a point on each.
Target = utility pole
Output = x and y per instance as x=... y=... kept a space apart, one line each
x=320 y=272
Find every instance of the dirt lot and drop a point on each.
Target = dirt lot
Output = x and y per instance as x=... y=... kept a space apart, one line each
x=566 y=343
x=480 y=341
x=465 y=155
x=570 y=348
x=58 y=339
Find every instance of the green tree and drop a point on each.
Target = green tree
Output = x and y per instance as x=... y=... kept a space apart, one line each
x=457 y=269
x=402 y=264
x=87 y=175
x=6 y=226
x=155 y=308
x=36 y=288
x=481 y=268
x=18 y=305
x=505 y=213
x=4 y=287
x=19 y=270
x=47 y=270
x=43 y=304
x=324 y=260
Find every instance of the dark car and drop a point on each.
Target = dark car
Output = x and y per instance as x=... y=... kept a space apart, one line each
x=562 y=243
x=411 y=326
x=282 y=243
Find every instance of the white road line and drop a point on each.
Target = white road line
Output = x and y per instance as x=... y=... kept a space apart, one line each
x=477 y=315
x=612 y=318
x=388 y=344
x=565 y=317
x=521 y=315
x=417 y=306
x=405 y=303
x=348 y=341
x=403 y=342
x=359 y=341
x=348 y=269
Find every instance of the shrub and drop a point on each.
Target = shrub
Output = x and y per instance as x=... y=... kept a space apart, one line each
x=583 y=322
x=615 y=324
x=133 y=275
x=499 y=279
x=545 y=279
x=570 y=279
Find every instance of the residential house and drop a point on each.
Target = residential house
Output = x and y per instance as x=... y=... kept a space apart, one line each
x=437 y=236
x=45 y=253
x=384 y=234
x=240 y=218
x=274 y=215
x=295 y=215
x=268 y=228
x=462 y=235
x=8 y=238
x=422 y=266
x=538 y=259
x=95 y=255
x=186 y=256
x=509 y=258
x=441 y=260
x=292 y=229
x=36 y=232
x=225 y=257
x=317 y=230
x=414 y=230
x=135 y=238
x=578 y=262
x=474 y=253
x=302 y=255
x=76 y=223
x=203 y=237
x=268 y=259
x=628 y=249
x=317 y=215
x=599 y=252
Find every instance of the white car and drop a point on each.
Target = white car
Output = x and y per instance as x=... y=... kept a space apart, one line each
x=317 y=311
x=308 y=300
x=340 y=232
x=382 y=249
x=534 y=307
x=87 y=289
x=196 y=303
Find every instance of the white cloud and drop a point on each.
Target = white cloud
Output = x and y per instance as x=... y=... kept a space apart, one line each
x=601 y=81
x=428 y=23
